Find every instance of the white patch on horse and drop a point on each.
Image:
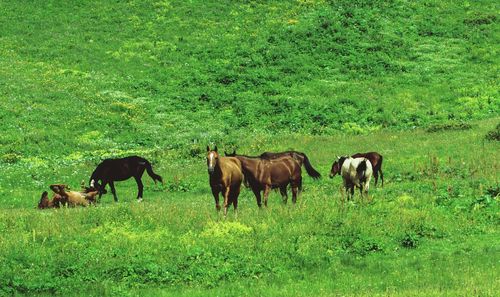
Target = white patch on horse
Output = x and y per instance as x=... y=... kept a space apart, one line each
x=352 y=178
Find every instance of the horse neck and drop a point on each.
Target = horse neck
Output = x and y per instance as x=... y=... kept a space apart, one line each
x=94 y=176
x=249 y=164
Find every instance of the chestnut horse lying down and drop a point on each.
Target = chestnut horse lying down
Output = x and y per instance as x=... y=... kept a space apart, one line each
x=225 y=176
x=65 y=197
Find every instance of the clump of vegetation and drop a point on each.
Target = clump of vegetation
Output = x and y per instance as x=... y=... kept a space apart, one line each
x=449 y=126
x=494 y=134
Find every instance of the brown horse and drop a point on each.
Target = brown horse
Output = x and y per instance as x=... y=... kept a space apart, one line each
x=301 y=158
x=264 y=175
x=225 y=176
x=375 y=160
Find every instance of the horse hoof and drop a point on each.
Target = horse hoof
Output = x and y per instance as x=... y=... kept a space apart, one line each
x=139 y=200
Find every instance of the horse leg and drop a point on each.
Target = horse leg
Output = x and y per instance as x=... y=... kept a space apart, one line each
x=375 y=175
x=216 y=192
x=295 y=190
x=284 y=194
x=227 y=191
x=382 y=177
x=235 y=192
x=257 y=196
x=140 y=187
x=266 y=194
x=113 y=191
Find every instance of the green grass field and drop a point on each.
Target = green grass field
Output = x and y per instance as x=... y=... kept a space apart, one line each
x=415 y=81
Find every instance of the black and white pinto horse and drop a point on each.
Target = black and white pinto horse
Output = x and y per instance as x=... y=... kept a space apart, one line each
x=355 y=172
x=111 y=170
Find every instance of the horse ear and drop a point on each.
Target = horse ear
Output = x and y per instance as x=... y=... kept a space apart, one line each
x=338 y=157
x=208 y=148
x=215 y=148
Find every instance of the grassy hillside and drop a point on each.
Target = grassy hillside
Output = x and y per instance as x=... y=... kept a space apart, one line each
x=146 y=75
x=415 y=80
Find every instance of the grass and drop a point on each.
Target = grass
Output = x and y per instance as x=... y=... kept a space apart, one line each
x=81 y=82
x=428 y=231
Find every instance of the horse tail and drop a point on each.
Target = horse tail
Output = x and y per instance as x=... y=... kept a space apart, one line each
x=379 y=168
x=310 y=170
x=153 y=175
x=361 y=169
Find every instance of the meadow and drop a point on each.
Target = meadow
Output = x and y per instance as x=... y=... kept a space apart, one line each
x=415 y=81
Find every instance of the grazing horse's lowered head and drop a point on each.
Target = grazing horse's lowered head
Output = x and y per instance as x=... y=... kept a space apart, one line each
x=337 y=166
x=94 y=185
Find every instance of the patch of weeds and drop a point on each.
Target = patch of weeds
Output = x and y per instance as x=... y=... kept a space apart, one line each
x=493 y=134
x=453 y=126
x=410 y=240
x=178 y=185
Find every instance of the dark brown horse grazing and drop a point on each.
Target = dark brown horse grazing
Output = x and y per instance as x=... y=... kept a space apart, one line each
x=375 y=159
x=225 y=176
x=300 y=157
x=264 y=175
x=111 y=170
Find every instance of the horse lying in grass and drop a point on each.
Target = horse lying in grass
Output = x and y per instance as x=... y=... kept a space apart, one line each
x=264 y=175
x=355 y=172
x=74 y=198
x=375 y=160
x=225 y=175
x=111 y=170
x=69 y=198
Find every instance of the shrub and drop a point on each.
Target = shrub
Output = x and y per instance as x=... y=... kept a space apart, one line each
x=449 y=126
x=494 y=134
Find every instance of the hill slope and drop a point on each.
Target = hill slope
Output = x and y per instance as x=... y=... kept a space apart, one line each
x=155 y=75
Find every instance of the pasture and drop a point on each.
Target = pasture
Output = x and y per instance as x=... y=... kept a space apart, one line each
x=415 y=81
x=432 y=230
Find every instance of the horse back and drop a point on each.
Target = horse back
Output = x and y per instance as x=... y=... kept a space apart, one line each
x=280 y=171
x=298 y=156
x=374 y=157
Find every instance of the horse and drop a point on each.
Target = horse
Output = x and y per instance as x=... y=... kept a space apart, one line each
x=225 y=175
x=355 y=172
x=73 y=198
x=375 y=160
x=111 y=170
x=264 y=175
x=300 y=157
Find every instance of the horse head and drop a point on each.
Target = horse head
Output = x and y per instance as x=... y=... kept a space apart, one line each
x=95 y=186
x=337 y=166
x=212 y=159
